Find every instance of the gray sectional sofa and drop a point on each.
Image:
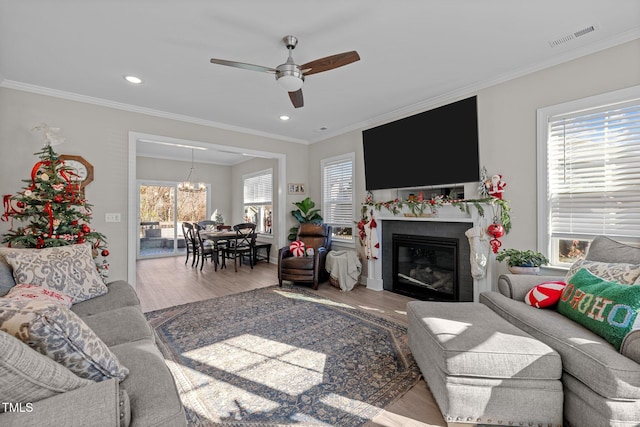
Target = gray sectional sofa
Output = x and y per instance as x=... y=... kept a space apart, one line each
x=53 y=395
x=601 y=385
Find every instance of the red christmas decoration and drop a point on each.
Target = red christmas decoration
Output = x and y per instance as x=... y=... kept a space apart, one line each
x=496 y=230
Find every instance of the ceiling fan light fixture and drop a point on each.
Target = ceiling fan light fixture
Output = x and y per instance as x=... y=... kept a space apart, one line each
x=289 y=77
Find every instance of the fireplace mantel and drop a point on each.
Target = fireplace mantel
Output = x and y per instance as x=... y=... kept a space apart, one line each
x=446 y=213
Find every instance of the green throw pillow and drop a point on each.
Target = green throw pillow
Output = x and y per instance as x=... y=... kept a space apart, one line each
x=607 y=308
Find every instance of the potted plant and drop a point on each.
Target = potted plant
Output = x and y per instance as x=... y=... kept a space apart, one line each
x=522 y=262
x=305 y=213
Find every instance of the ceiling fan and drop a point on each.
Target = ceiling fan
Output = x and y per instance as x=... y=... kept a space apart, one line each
x=290 y=75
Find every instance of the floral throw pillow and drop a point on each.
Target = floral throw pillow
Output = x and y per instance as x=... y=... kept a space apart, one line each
x=61 y=335
x=619 y=272
x=69 y=269
x=40 y=293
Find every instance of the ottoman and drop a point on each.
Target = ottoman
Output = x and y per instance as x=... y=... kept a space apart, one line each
x=483 y=370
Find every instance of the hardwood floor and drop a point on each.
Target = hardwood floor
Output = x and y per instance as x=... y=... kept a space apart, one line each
x=165 y=282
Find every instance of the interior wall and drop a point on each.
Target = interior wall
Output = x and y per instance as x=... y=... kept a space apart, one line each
x=507 y=129
x=101 y=135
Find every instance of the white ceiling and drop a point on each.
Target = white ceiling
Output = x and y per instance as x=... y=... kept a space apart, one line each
x=415 y=54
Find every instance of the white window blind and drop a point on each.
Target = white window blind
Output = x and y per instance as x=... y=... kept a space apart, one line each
x=593 y=167
x=258 y=189
x=337 y=184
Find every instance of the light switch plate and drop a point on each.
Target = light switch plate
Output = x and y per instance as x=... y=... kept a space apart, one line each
x=112 y=217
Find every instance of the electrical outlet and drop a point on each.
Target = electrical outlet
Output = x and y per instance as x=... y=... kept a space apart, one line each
x=112 y=217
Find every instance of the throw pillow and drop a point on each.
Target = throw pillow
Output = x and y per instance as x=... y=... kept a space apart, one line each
x=619 y=272
x=28 y=376
x=607 y=308
x=545 y=294
x=297 y=248
x=68 y=269
x=40 y=293
x=60 y=334
x=6 y=276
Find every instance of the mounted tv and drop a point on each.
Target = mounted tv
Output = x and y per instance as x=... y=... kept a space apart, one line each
x=433 y=148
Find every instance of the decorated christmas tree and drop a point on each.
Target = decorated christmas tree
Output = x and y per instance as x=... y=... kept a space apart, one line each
x=51 y=209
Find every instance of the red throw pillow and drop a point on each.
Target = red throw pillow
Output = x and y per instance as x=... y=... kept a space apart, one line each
x=297 y=248
x=545 y=294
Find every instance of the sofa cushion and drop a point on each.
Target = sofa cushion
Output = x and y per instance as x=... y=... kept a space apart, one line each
x=620 y=272
x=152 y=391
x=585 y=355
x=108 y=325
x=60 y=334
x=38 y=293
x=605 y=249
x=120 y=294
x=6 y=276
x=28 y=376
x=546 y=294
x=607 y=308
x=69 y=269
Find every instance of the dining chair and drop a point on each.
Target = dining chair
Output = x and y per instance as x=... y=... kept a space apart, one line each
x=190 y=242
x=242 y=245
x=206 y=248
x=211 y=225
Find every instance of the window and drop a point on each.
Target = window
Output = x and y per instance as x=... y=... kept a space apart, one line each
x=258 y=200
x=590 y=152
x=337 y=196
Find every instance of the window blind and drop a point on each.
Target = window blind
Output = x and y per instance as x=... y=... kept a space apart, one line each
x=593 y=160
x=338 y=192
x=258 y=189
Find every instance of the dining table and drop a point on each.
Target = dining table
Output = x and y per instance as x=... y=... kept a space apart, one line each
x=216 y=236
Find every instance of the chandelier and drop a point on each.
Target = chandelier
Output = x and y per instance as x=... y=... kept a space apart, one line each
x=191 y=184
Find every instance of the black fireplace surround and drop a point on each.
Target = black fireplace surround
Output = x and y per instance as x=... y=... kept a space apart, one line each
x=427 y=260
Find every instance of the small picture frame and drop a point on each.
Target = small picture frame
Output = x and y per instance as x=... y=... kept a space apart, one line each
x=296 y=188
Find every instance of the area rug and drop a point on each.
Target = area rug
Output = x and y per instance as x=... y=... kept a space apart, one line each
x=282 y=356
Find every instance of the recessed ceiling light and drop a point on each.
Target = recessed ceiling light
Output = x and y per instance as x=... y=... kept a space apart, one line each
x=133 y=79
x=284 y=118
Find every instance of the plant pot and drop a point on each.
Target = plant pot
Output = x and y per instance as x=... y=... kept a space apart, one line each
x=524 y=270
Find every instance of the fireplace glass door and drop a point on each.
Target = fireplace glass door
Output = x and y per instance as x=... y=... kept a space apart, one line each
x=425 y=267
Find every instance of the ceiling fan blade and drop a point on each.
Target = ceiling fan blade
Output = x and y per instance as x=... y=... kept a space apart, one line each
x=296 y=98
x=329 y=62
x=243 y=65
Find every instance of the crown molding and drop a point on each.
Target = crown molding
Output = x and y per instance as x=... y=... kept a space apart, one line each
x=40 y=90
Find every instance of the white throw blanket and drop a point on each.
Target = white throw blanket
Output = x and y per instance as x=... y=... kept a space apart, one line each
x=345 y=267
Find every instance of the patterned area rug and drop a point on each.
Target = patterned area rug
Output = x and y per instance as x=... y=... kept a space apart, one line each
x=283 y=356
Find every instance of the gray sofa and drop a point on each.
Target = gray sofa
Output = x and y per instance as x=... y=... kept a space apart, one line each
x=146 y=397
x=601 y=386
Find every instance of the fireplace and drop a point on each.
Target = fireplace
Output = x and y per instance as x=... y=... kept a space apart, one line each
x=425 y=267
x=427 y=260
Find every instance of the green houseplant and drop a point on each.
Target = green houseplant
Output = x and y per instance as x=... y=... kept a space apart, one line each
x=522 y=262
x=306 y=212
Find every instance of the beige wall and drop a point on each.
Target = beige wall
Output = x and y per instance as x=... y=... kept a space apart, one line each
x=507 y=127
x=101 y=135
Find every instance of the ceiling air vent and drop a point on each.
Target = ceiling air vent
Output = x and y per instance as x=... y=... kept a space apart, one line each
x=571 y=36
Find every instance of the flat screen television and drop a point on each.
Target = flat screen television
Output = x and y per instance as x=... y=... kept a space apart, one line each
x=436 y=147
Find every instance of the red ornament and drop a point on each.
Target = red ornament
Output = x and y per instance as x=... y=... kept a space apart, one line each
x=496 y=230
x=58 y=198
x=20 y=204
x=105 y=252
x=85 y=228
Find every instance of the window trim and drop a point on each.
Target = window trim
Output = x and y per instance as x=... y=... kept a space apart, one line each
x=323 y=163
x=543 y=115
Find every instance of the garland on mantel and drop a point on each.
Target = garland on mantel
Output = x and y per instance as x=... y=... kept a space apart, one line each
x=500 y=207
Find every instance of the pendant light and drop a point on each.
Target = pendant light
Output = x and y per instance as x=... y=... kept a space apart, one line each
x=191 y=184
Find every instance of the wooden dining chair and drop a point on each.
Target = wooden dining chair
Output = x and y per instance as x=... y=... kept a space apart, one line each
x=190 y=242
x=206 y=248
x=242 y=245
